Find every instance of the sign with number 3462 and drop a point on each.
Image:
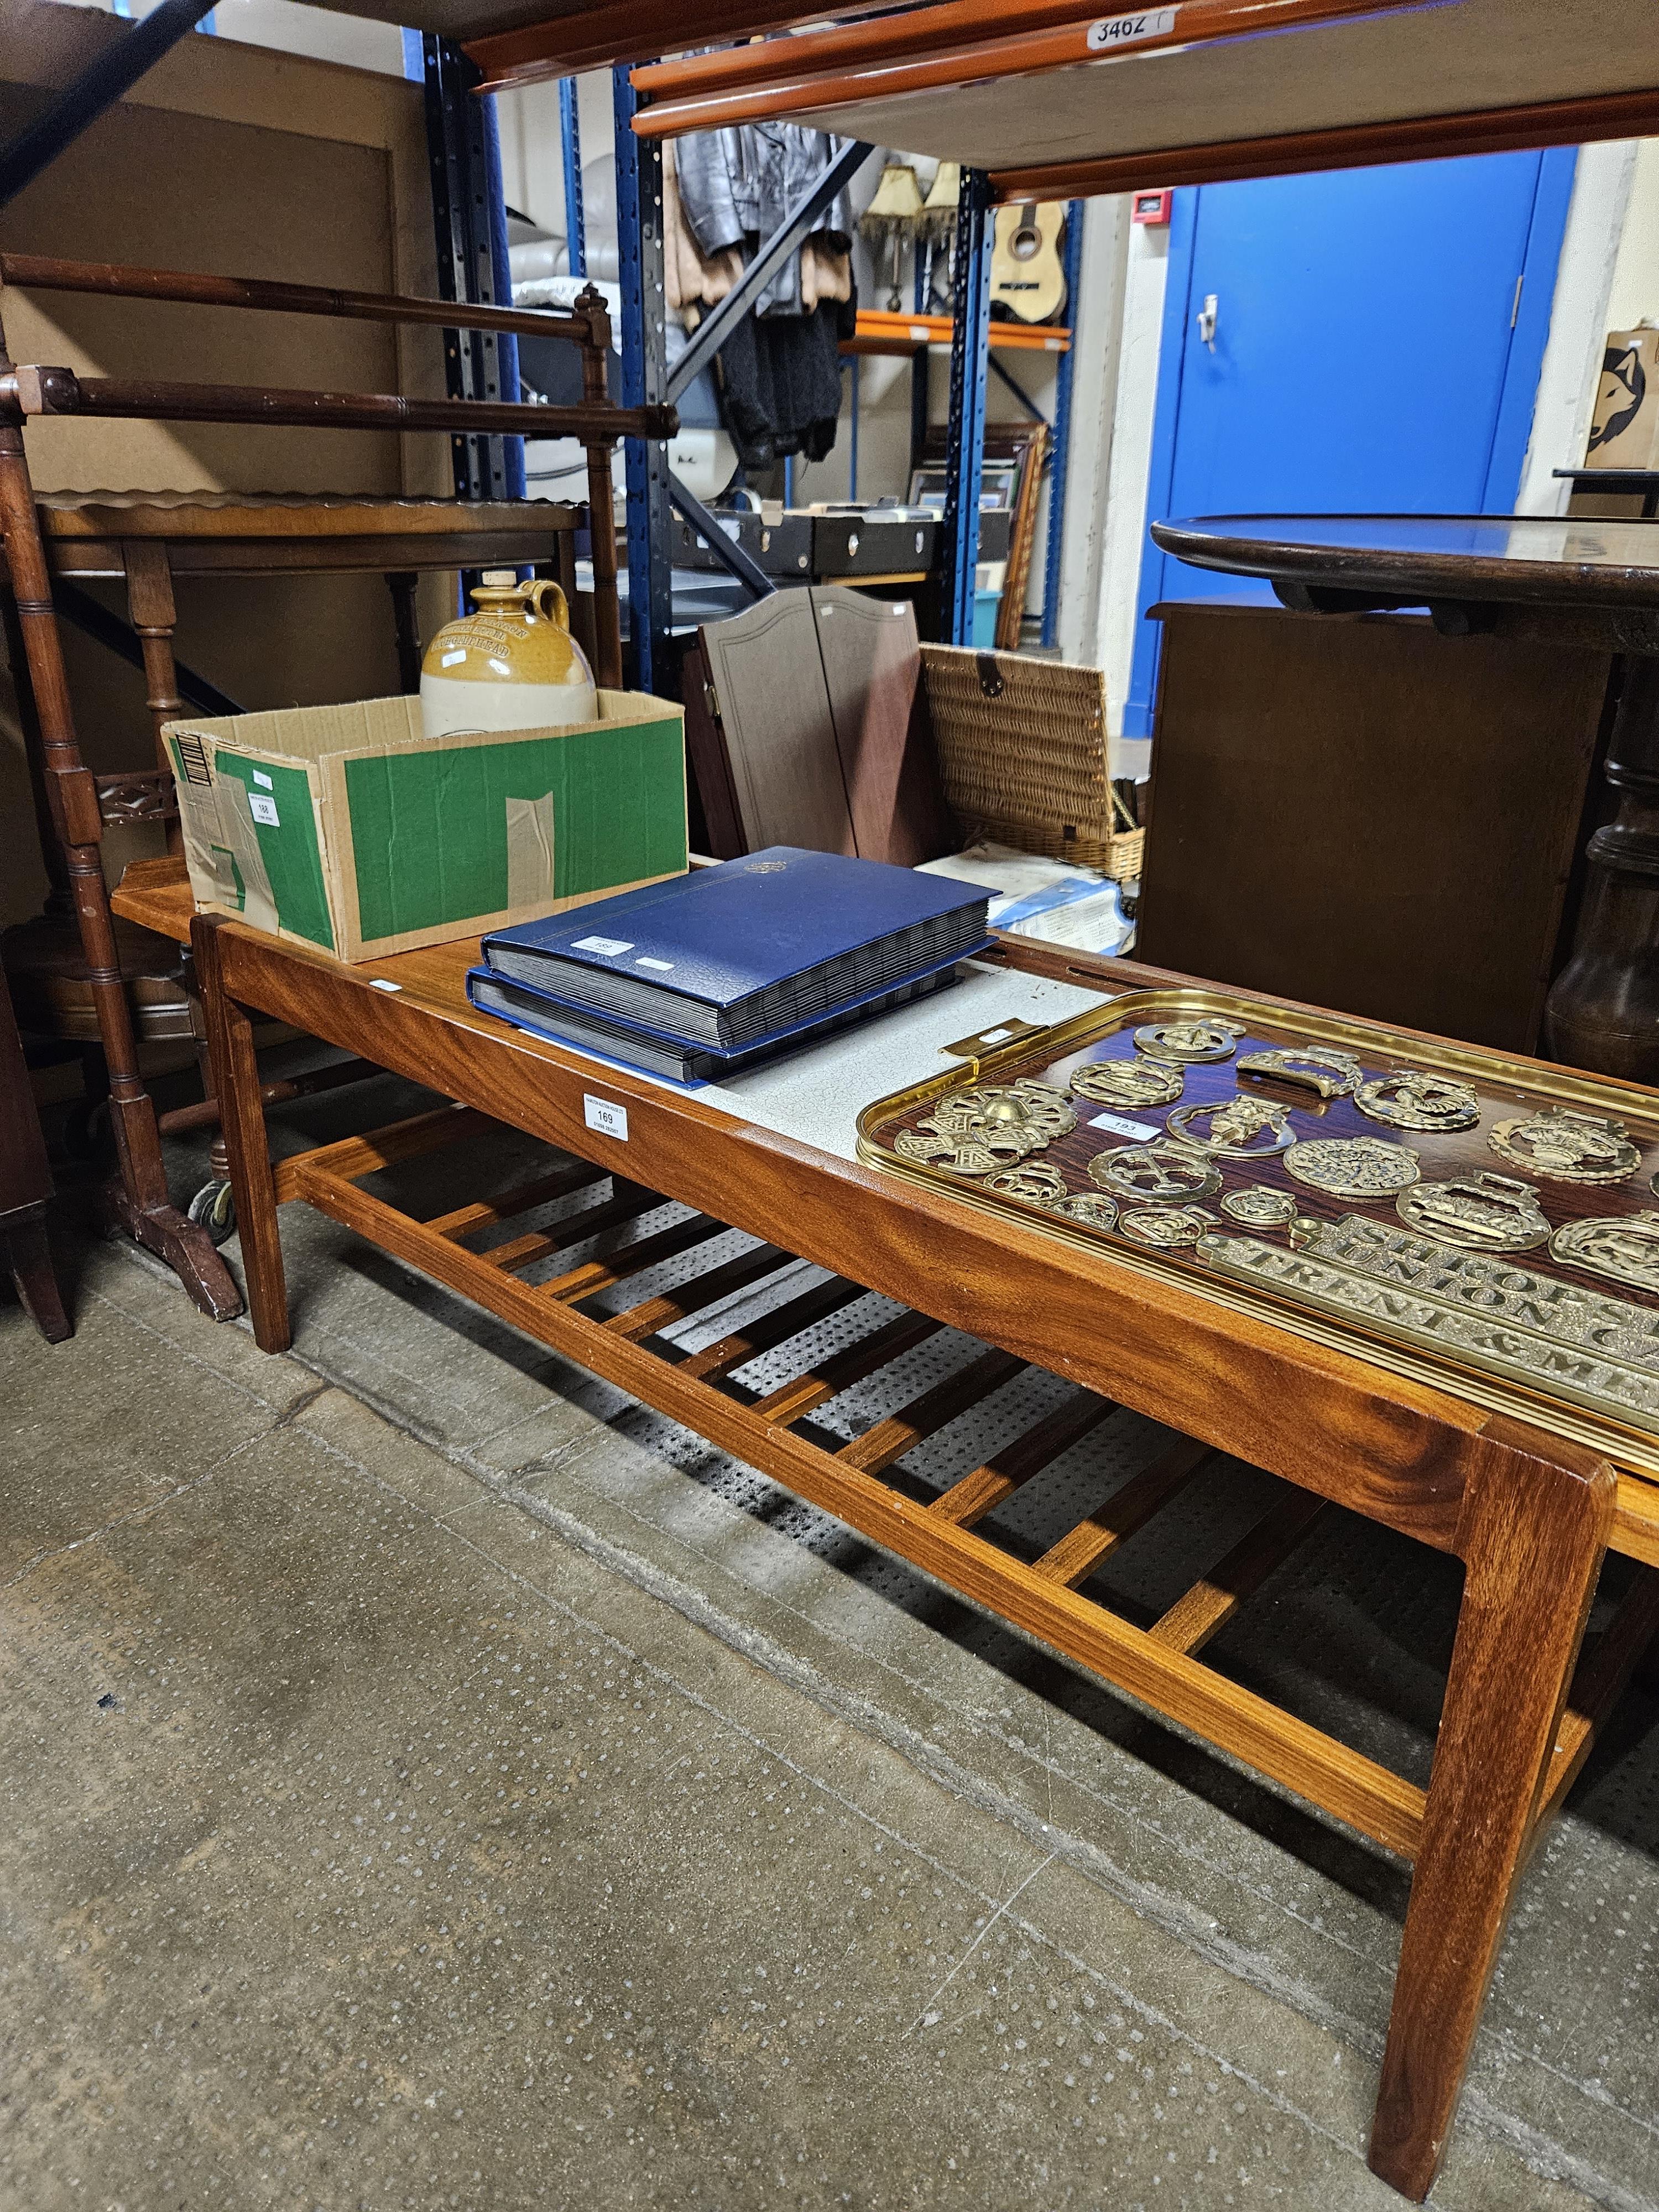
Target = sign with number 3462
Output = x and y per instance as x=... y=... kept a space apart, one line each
x=1114 y=31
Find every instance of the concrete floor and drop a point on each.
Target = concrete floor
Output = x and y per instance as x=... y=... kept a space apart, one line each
x=435 y=1780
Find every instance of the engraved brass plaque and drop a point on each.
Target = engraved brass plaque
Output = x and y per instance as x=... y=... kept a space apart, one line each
x=1577 y=1344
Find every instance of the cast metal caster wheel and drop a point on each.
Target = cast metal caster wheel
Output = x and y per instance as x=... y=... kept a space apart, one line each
x=215 y=1209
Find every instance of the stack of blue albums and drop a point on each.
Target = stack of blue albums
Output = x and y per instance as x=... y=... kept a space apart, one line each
x=705 y=974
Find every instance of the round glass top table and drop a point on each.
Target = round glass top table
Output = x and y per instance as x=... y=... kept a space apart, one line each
x=1417 y=560
x=1579 y=580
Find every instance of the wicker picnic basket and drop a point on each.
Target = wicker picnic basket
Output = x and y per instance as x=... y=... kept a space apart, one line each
x=1022 y=755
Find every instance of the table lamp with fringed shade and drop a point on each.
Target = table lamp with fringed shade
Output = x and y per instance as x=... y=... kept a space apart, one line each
x=890 y=216
x=939 y=210
x=936 y=229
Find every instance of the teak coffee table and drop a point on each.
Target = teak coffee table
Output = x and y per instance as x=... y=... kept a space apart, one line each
x=1530 y=1513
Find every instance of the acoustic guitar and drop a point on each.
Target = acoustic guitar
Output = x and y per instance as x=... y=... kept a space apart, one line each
x=1025 y=272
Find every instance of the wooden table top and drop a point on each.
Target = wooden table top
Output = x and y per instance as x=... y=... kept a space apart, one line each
x=1574 y=561
x=269 y=533
x=877 y=1227
x=176 y=515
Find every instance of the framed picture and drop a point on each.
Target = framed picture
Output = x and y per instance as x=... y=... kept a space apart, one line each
x=999 y=485
x=1016 y=454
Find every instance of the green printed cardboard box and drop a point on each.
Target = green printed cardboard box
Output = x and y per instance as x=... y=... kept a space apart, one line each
x=348 y=827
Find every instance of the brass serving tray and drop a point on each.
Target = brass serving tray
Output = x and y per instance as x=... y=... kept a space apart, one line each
x=1524 y=1333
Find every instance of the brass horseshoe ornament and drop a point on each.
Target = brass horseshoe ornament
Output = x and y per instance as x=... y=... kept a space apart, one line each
x=1210 y=1039
x=1026 y=1107
x=1164 y=1174
x=1352 y=1167
x=1408 y=1098
x=952 y=1155
x=1315 y=1067
x=1128 y=1082
x=1167 y=1229
x=1233 y=1129
x=988 y=1128
x=1482 y=1212
x=1567 y=1146
x=1034 y=1183
x=1261 y=1206
x=1092 y=1209
x=1624 y=1247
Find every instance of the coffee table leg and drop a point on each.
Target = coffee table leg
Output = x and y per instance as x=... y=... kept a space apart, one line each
x=24 y=1249
x=1532 y=1535
x=242 y=1124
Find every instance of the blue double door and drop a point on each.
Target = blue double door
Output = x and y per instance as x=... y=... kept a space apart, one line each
x=1365 y=340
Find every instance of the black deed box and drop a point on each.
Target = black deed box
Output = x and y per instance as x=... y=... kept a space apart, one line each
x=996 y=530
x=873 y=543
x=786 y=545
x=781 y=549
x=693 y=551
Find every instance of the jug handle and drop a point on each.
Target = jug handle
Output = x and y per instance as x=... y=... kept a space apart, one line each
x=549 y=601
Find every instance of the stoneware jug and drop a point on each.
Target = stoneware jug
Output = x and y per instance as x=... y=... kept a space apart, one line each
x=510 y=665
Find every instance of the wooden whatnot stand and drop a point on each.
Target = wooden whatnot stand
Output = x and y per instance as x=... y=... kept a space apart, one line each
x=1531 y=1515
x=143 y=542
x=73 y=803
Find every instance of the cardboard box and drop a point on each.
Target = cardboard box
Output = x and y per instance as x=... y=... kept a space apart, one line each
x=1625 y=429
x=348 y=827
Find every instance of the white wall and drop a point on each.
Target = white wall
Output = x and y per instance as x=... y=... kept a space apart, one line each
x=1146 y=272
x=1635 y=289
x=288 y=27
x=291 y=28
x=1097 y=332
x=532 y=159
x=1590 y=251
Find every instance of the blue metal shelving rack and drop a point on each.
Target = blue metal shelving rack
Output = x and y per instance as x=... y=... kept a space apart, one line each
x=653 y=493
